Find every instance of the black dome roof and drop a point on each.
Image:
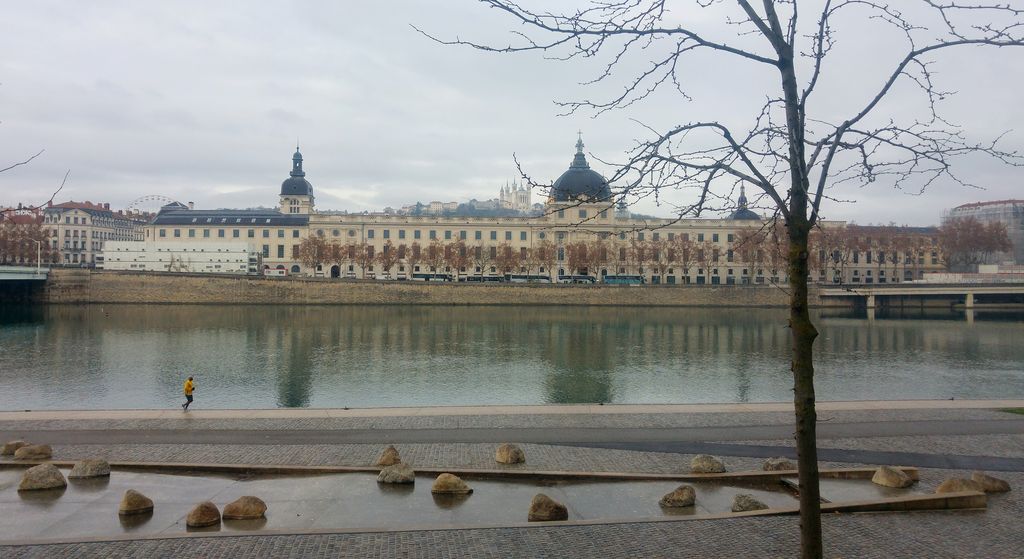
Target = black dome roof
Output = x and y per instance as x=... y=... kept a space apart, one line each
x=580 y=182
x=296 y=184
x=742 y=212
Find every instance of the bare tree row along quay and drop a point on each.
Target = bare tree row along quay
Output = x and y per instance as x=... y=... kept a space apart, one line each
x=841 y=253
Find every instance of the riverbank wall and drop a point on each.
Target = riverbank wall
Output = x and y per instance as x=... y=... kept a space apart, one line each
x=76 y=286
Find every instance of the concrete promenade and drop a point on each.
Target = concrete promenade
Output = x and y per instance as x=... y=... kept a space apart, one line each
x=944 y=438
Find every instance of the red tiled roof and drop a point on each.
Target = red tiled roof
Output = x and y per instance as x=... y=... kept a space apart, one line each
x=71 y=204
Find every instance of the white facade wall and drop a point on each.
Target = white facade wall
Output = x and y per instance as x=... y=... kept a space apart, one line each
x=202 y=258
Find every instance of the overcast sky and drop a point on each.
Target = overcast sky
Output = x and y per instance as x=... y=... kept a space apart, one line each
x=204 y=101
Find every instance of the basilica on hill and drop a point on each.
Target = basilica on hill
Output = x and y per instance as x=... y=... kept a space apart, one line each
x=580 y=232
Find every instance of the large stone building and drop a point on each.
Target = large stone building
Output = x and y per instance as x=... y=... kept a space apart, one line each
x=79 y=230
x=581 y=232
x=1008 y=212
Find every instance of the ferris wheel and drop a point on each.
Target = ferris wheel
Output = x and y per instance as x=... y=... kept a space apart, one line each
x=150 y=202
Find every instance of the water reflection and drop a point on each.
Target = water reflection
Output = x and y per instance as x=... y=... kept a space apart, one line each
x=277 y=356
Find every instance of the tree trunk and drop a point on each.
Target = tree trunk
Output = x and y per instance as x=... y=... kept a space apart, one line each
x=803 y=335
x=798 y=228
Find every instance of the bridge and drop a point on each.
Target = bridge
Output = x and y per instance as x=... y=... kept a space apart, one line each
x=968 y=293
x=23 y=273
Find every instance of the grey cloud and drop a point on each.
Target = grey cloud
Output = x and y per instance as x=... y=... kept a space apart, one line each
x=203 y=101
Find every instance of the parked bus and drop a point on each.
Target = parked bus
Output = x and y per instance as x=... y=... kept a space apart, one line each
x=482 y=279
x=427 y=276
x=624 y=280
x=576 y=279
x=527 y=278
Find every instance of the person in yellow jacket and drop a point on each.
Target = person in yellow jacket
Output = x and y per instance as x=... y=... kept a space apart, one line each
x=190 y=386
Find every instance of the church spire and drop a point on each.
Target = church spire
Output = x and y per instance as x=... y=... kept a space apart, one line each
x=743 y=198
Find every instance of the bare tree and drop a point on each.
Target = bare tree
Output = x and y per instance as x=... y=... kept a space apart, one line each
x=506 y=259
x=576 y=257
x=597 y=257
x=659 y=257
x=480 y=256
x=436 y=256
x=314 y=251
x=967 y=242
x=457 y=257
x=788 y=155
x=364 y=257
x=685 y=252
x=387 y=257
x=547 y=256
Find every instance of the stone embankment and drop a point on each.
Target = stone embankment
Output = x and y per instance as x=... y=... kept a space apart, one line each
x=86 y=286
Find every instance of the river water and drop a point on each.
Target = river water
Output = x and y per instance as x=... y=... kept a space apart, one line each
x=127 y=356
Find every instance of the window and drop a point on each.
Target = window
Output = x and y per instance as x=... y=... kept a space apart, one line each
x=700 y=237
x=543 y=235
x=729 y=237
x=640 y=236
x=163 y=233
x=508 y=235
x=583 y=214
x=235 y=233
x=478 y=235
x=177 y=233
x=522 y=235
x=369 y=233
x=295 y=233
x=280 y=251
x=280 y=233
x=656 y=236
x=433 y=234
x=401 y=233
x=561 y=254
x=447 y=235
x=387 y=233
x=462 y=235
x=220 y=233
x=494 y=235
x=560 y=236
x=266 y=233
x=295 y=252
x=416 y=234
x=252 y=233
x=266 y=251
x=561 y=213
x=206 y=233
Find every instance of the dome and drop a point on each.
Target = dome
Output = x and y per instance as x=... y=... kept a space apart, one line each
x=580 y=182
x=296 y=184
x=743 y=213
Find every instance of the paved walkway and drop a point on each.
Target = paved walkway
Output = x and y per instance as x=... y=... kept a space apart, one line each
x=977 y=431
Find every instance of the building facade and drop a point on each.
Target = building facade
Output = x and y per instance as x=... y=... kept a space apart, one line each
x=582 y=231
x=196 y=258
x=1008 y=212
x=78 y=231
